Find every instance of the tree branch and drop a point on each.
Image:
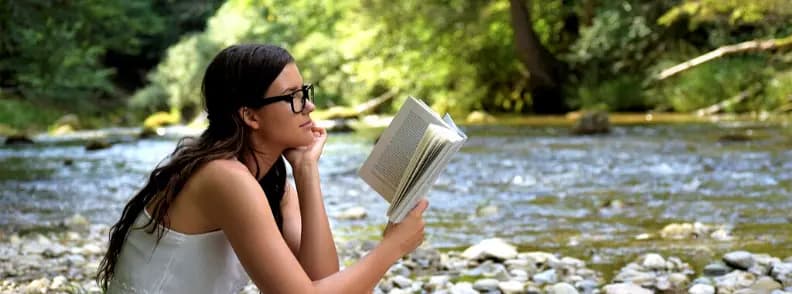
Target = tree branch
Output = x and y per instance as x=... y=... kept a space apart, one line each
x=748 y=46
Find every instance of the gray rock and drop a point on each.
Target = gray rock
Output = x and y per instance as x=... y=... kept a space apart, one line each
x=401 y=282
x=75 y=259
x=734 y=281
x=77 y=221
x=486 y=210
x=58 y=282
x=532 y=289
x=490 y=248
x=546 y=277
x=570 y=262
x=636 y=277
x=353 y=213
x=511 y=287
x=766 y=260
x=625 y=288
x=539 y=258
x=704 y=281
x=587 y=286
x=759 y=270
x=783 y=273
x=562 y=288
x=91 y=249
x=486 y=285
x=678 y=281
x=55 y=250
x=519 y=275
x=595 y=122
x=399 y=270
x=489 y=269
x=18 y=139
x=438 y=282
x=716 y=269
x=654 y=261
x=739 y=259
x=765 y=285
x=662 y=283
x=701 y=289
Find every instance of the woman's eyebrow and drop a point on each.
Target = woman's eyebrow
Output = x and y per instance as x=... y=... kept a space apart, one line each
x=290 y=89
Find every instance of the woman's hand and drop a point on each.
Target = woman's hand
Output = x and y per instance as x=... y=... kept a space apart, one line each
x=408 y=234
x=300 y=156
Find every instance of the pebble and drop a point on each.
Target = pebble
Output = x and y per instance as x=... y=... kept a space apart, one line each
x=654 y=261
x=739 y=259
x=783 y=272
x=562 y=288
x=463 y=288
x=702 y=289
x=490 y=248
x=716 y=269
x=546 y=277
x=765 y=285
x=486 y=285
x=67 y=261
x=402 y=282
x=511 y=287
x=353 y=213
x=626 y=288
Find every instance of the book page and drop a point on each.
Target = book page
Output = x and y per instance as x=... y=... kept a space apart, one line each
x=437 y=146
x=384 y=169
x=415 y=167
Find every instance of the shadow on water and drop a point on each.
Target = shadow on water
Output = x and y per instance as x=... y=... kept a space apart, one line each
x=588 y=197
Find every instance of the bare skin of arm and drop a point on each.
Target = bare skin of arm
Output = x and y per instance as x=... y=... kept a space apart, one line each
x=232 y=199
x=292 y=222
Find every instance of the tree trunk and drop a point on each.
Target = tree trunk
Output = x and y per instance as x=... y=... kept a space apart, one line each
x=546 y=72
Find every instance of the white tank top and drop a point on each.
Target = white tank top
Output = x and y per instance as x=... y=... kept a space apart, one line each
x=180 y=263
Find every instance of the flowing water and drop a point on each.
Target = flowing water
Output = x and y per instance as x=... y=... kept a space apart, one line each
x=586 y=196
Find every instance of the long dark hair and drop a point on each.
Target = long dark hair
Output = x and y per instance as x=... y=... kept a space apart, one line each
x=237 y=75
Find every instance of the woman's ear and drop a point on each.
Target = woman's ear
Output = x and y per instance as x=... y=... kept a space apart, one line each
x=250 y=117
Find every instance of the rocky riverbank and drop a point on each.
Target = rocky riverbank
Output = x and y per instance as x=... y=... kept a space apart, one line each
x=65 y=262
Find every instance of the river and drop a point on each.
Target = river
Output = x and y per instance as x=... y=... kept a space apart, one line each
x=537 y=187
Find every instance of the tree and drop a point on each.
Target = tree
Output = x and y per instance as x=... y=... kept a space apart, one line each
x=547 y=74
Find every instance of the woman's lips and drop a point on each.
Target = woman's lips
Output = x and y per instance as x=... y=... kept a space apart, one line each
x=307 y=124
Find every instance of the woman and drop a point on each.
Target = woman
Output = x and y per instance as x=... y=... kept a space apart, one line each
x=222 y=209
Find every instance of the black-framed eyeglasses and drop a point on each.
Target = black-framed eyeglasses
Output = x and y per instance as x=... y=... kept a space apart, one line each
x=298 y=99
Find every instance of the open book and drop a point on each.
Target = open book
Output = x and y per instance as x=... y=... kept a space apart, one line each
x=409 y=156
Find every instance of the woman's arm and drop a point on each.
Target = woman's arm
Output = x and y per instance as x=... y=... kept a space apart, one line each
x=292 y=222
x=231 y=198
x=317 y=255
x=317 y=252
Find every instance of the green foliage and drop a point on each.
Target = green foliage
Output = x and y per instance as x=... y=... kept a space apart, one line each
x=458 y=55
x=618 y=41
x=622 y=93
x=712 y=82
x=732 y=21
x=54 y=49
x=19 y=114
x=778 y=92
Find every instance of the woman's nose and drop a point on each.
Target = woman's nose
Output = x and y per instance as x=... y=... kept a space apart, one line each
x=309 y=107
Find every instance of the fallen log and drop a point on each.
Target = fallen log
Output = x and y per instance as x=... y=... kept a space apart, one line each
x=342 y=112
x=748 y=46
x=720 y=106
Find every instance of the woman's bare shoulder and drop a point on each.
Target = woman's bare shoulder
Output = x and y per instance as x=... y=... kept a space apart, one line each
x=220 y=173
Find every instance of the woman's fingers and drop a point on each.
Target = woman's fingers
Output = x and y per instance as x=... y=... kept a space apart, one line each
x=420 y=207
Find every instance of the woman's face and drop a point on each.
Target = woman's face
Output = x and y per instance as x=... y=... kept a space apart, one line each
x=279 y=124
